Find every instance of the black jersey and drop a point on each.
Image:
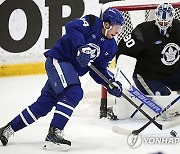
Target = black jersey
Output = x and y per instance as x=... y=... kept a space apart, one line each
x=157 y=56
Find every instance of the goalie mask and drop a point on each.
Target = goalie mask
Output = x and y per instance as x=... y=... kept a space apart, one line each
x=114 y=17
x=164 y=15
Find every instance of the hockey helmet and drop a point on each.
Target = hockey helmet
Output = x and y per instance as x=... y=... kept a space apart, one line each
x=164 y=15
x=113 y=16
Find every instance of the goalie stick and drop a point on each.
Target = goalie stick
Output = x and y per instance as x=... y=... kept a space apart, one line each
x=126 y=97
x=141 y=97
x=174 y=123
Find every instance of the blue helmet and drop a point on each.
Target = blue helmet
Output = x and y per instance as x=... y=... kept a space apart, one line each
x=113 y=16
x=164 y=15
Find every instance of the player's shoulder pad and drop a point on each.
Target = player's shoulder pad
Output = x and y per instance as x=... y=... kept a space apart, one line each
x=146 y=25
x=175 y=26
x=176 y=22
x=142 y=29
x=92 y=19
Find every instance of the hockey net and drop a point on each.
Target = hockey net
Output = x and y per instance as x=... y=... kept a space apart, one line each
x=135 y=12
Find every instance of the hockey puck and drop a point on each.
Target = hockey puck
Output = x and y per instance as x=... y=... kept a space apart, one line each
x=173 y=133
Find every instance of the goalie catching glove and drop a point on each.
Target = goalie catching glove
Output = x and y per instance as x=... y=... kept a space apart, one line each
x=117 y=90
x=84 y=55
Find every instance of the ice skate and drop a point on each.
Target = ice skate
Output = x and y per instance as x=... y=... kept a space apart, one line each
x=110 y=114
x=5 y=133
x=55 y=140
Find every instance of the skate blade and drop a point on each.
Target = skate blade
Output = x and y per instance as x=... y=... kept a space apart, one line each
x=50 y=146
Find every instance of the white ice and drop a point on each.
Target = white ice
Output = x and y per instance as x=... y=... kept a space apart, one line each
x=85 y=130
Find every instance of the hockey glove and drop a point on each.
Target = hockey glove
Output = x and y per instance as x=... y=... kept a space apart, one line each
x=84 y=55
x=117 y=90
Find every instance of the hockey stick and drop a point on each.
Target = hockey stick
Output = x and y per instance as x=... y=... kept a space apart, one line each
x=148 y=123
x=174 y=123
x=126 y=97
x=140 y=96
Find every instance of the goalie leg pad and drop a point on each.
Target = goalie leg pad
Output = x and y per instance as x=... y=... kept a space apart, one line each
x=124 y=110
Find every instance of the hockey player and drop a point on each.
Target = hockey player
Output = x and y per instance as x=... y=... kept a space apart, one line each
x=156 y=47
x=88 y=39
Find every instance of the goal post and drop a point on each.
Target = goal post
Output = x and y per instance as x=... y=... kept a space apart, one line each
x=134 y=12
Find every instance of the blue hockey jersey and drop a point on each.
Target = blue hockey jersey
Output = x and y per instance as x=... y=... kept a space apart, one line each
x=82 y=31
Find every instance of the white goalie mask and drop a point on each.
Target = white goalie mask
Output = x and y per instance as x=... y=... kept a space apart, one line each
x=164 y=15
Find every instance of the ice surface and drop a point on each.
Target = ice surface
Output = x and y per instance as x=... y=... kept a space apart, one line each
x=85 y=130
